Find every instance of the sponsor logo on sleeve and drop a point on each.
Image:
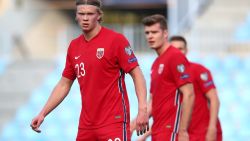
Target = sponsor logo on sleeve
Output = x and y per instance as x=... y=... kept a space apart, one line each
x=181 y=68
x=131 y=60
x=100 y=53
x=209 y=83
x=184 y=76
x=128 y=50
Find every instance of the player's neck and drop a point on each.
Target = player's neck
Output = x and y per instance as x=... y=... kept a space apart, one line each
x=91 y=34
x=162 y=49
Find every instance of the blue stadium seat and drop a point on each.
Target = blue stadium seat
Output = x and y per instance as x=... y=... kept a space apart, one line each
x=30 y=135
x=239 y=112
x=22 y=121
x=2 y=65
x=244 y=132
x=53 y=130
x=52 y=79
x=212 y=62
x=248 y=20
x=24 y=115
x=221 y=78
x=241 y=78
x=145 y=62
x=38 y=98
x=229 y=131
x=246 y=64
x=11 y=133
x=132 y=97
x=70 y=131
x=227 y=95
x=194 y=57
x=244 y=96
x=242 y=33
x=66 y=114
x=232 y=63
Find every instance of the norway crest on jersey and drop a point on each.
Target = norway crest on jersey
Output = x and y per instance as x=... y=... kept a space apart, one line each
x=100 y=53
x=161 y=68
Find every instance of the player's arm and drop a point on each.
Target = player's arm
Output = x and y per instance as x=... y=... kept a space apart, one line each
x=149 y=113
x=141 y=93
x=149 y=130
x=214 y=105
x=187 y=106
x=58 y=94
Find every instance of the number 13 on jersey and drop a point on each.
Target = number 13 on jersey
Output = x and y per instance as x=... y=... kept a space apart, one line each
x=80 y=69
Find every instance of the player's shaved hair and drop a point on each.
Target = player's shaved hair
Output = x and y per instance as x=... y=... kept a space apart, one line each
x=153 y=19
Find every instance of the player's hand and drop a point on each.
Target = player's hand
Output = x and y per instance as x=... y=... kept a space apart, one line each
x=183 y=135
x=141 y=139
x=211 y=134
x=142 y=124
x=144 y=136
x=36 y=122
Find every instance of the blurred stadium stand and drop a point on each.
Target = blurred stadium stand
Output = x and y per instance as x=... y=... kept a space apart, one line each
x=34 y=36
x=215 y=30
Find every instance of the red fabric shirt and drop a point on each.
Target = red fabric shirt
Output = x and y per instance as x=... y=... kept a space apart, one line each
x=99 y=66
x=169 y=72
x=203 y=82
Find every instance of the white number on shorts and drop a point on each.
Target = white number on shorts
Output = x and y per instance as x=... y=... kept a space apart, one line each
x=116 y=139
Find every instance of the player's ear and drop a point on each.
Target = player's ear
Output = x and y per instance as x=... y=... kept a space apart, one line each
x=165 y=32
x=186 y=50
x=76 y=19
x=99 y=17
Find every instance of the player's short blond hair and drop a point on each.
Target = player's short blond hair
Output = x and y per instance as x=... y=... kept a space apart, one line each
x=96 y=3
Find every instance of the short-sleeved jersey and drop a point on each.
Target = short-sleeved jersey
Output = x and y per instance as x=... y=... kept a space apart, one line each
x=203 y=82
x=99 y=66
x=168 y=73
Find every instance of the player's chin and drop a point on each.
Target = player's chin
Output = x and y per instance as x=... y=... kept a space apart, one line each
x=85 y=28
x=152 y=47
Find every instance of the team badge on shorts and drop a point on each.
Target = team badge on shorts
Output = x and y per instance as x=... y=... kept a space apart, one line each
x=181 y=68
x=100 y=53
x=128 y=50
x=161 y=68
x=204 y=76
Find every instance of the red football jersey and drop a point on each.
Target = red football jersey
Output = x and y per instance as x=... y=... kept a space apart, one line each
x=203 y=82
x=169 y=72
x=99 y=66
